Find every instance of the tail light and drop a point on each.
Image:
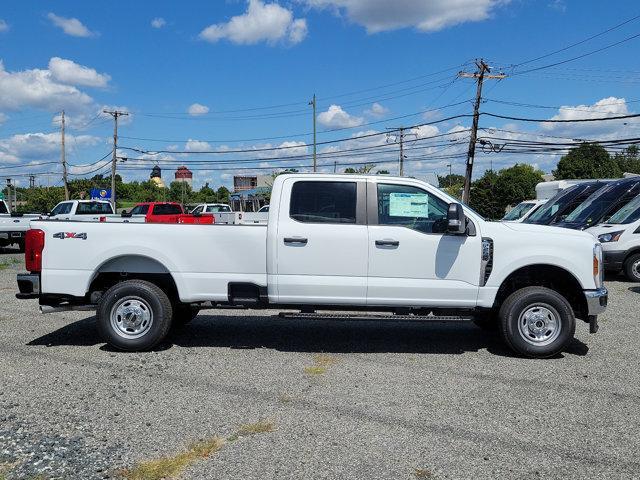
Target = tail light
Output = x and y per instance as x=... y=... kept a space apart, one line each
x=103 y=219
x=33 y=247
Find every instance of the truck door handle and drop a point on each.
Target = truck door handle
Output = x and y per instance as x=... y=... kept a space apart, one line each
x=295 y=240
x=387 y=243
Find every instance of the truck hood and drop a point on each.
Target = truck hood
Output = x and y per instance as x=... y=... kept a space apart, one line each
x=532 y=228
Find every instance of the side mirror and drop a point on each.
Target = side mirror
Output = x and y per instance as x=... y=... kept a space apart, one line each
x=456 y=222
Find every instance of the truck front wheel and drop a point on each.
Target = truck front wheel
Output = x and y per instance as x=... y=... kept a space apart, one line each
x=537 y=322
x=134 y=315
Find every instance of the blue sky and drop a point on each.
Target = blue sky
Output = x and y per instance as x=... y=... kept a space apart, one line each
x=218 y=59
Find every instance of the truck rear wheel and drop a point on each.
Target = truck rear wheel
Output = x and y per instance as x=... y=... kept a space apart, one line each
x=134 y=315
x=537 y=322
x=632 y=267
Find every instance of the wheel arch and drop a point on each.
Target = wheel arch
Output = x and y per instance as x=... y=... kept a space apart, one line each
x=545 y=275
x=128 y=267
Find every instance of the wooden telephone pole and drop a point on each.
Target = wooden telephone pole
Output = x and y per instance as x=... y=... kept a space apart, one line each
x=313 y=103
x=115 y=114
x=482 y=73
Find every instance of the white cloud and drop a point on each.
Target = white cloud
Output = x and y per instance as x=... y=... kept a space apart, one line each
x=425 y=15
x=197 y=146
x=67 y=71
x=38 y=89
x=425 y=131
x=606 y=107
x=31 y=146
x=336 y=117
x=70 y=26
x=158 y=22
x=262 y=22
x=197 y=109
x=4 y=26
x=376 y=110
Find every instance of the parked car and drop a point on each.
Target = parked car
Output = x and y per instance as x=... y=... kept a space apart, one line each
x=13 y=226
x=523 y=210
x=620 y=239
x=163 y=212
x=602 y=204
x=563 y=203
x=334 y=242
x=212 y=208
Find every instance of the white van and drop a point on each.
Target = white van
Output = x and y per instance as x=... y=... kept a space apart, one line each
x=620 y=239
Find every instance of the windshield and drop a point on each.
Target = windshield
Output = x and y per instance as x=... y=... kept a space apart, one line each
x=561 y=202
x=518 y=211
x=627 y=214
x=218 y=208
x=597 y=205
x=62 y=208
x=140 y=210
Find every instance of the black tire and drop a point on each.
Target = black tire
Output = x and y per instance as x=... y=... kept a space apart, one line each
x=632 y=267
x=148 y=299
x=183 y=313
x=543 y=305
x=487 y=321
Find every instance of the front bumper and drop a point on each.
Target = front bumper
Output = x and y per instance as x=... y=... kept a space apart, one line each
x=596 y=301
x=29 y=285
x=613 y=259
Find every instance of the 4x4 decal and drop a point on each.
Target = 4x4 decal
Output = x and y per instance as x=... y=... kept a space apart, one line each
x=63 y=235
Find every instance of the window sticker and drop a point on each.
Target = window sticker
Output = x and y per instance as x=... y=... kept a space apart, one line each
x=408 y=205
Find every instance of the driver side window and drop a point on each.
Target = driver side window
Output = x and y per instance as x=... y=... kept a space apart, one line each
x=411 y=207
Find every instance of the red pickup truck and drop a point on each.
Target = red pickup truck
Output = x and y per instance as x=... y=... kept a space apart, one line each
x=167 y=212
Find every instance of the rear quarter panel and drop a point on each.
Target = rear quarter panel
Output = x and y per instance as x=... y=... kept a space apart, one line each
x=202 y=259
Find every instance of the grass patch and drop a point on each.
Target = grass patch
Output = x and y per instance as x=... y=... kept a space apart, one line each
x=167 y=468
x=172 y=467
x=263 y=426
x=423 y=473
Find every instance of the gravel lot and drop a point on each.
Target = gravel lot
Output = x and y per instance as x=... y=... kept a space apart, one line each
x=359 y=400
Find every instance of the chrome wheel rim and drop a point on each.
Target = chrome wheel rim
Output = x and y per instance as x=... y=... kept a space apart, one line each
x=131 y=317
x=635 y=269
x=539 y=325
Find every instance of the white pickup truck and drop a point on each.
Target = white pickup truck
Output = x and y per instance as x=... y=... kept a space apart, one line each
x=13 y=226
x=333 y=242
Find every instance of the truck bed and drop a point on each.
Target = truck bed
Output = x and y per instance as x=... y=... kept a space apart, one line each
x=202 y=259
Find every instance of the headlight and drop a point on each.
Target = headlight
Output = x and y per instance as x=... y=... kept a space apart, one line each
x=610 y=236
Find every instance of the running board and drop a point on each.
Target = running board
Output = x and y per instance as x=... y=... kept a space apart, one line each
x=385 y=317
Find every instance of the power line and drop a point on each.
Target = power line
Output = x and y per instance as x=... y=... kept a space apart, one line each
x=576 y=120
x=578 y=43
x=288 y=147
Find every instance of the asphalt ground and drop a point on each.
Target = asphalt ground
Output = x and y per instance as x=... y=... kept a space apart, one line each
x=315 y=399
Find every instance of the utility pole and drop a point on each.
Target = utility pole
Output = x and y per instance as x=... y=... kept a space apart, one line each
x=450 y=179
x=32 y=181
x=482 y=73
x=115 y=114
x=335 y=166
x=63 y=159
x=400 y=139
x=313 y=103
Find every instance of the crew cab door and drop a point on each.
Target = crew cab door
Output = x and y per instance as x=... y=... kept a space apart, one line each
x=411 y=261
x=322 y=242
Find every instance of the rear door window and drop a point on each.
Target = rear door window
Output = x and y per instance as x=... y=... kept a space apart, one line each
x=323 y=202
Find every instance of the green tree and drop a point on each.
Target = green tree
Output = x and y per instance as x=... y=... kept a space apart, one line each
x=382 y=172
x=628 y=160
x=516 y=183
x=589 y=160
x=450 y=180
x=223 y=194
x=362 y=169
x=483 y=196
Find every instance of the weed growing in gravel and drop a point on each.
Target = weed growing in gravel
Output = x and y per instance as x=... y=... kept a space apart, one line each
x=171 y=467
x=263 y=426
x=321 y=364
